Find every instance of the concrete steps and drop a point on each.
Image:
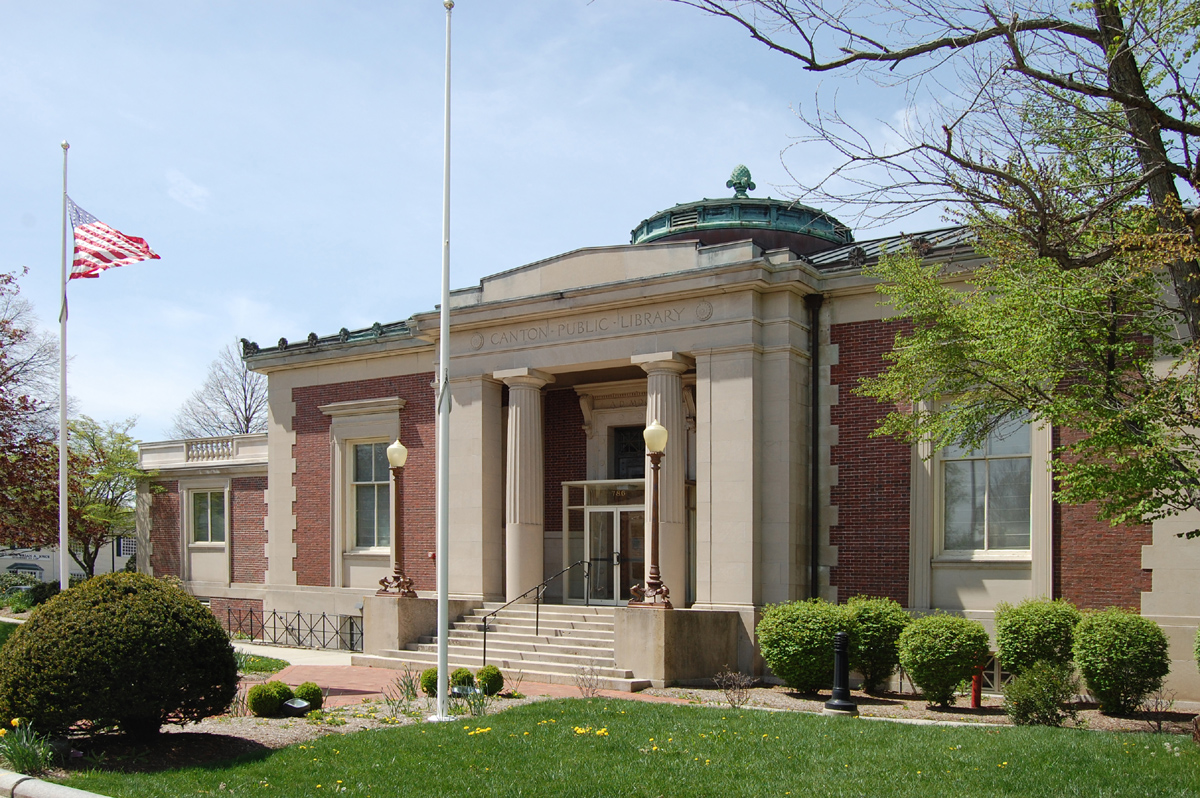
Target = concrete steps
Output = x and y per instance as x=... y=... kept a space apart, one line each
x=569 y=642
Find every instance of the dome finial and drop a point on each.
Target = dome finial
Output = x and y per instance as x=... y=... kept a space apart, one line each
x=740 y=182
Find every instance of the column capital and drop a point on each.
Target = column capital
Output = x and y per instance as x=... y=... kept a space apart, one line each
x=523 y=377
x=671 y=362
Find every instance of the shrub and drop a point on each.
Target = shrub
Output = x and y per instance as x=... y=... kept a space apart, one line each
x=429 y=680
x=1122 y=656
x=9 y=580
x=42 y=592
x=1035 y=630
x=266 y=700
x=311 y=692
x=1042 y=694
x=940 y=651
x=119 y=650
x=490 y=679
x=875 y=627
x=461 y=677
x=262 y=701
x=796 y=640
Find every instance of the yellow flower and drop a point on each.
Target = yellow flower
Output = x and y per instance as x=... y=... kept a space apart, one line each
x=16 y=722
x=3 y=732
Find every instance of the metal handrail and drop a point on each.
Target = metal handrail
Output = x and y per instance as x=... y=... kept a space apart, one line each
x=537 y=604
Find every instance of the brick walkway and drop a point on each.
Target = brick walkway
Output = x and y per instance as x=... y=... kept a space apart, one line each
x=350 y=684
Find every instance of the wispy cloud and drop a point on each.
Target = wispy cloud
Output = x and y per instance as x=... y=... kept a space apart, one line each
x=187 y=193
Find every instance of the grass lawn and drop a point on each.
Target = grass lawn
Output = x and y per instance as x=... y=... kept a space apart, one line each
x=252 y=663
x=597 y=747
x=6 y=630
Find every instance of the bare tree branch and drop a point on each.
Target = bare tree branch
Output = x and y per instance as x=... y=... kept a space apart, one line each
x=232 y=401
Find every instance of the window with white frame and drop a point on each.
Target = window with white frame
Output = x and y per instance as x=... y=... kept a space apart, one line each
x=371 y=494
x=986 y=493
x=208 y=516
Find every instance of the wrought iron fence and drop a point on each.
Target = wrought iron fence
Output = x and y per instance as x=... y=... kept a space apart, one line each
x=301 y=629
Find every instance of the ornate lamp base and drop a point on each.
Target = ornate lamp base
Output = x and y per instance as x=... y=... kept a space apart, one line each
x=396 y=581
x=658 y=598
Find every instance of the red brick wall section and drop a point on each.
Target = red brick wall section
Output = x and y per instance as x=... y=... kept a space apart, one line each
x=248 y=531
x=239 y=616
x=1097 y=565
x=565 y=452
x=164 y=529
x=873 y=490
x=312 y=478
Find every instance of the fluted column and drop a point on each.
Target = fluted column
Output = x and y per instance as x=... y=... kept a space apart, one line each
x=524 y=487
x=664 y=402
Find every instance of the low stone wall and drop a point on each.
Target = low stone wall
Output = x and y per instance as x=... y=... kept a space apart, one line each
x=392 y=622
x=675 y=646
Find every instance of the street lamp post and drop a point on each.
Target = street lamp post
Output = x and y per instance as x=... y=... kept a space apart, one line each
x=654 y=595
x=397 y=456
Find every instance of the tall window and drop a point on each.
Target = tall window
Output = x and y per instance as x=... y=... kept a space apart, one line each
x=208 y=516
x=372 y=496
x=986 y=492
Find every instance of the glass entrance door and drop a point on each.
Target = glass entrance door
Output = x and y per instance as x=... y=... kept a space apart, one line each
x=604 y=525
x=615 y=551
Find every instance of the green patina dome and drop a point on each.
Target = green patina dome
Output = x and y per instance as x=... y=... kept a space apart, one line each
x=770 y=223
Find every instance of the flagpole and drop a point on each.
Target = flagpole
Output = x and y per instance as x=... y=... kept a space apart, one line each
x=443 y=429
x=64 y=556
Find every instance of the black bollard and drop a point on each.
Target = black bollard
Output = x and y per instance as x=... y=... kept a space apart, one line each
x=840 y=703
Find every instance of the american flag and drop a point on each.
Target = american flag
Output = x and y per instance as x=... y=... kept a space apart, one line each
x=99 y=247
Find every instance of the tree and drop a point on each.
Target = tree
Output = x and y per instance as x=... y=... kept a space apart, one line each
x=1063 y=135
x=979 y=81
x=107 y=463
x=28 y=457
x=232 y=401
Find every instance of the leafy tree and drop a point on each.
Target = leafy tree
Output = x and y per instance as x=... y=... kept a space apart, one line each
x=1064 y=135
x=232 y=401
x=107 y=464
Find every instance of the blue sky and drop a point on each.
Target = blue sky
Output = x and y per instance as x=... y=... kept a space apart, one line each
x=284 y=159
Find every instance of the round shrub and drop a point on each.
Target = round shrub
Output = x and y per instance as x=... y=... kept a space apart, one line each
x=311 y=692
x=1122 y=656
x=490 y=679
x=1042 y=694
x=796 y=640
x=461 y=677
x=262 y=701
x=1035 y=630
x=940 y=651
x=429 y=681
x=875 y=627
x=120 y=650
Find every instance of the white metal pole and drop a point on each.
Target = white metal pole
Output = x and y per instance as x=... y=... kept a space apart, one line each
x=64 y=555
x=443 y=428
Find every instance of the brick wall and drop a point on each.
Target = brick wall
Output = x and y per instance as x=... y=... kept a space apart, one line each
x=164 y=530
x=248 y=528
x=312 y=478
x=1097 y=565
x=873 y=490
x=220 y=608
x=566 y=451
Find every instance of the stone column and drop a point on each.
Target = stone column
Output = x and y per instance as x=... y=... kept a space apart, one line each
x=524 y=489
x=664 y=403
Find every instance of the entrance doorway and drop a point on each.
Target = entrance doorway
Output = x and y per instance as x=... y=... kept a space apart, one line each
x=604 y=525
